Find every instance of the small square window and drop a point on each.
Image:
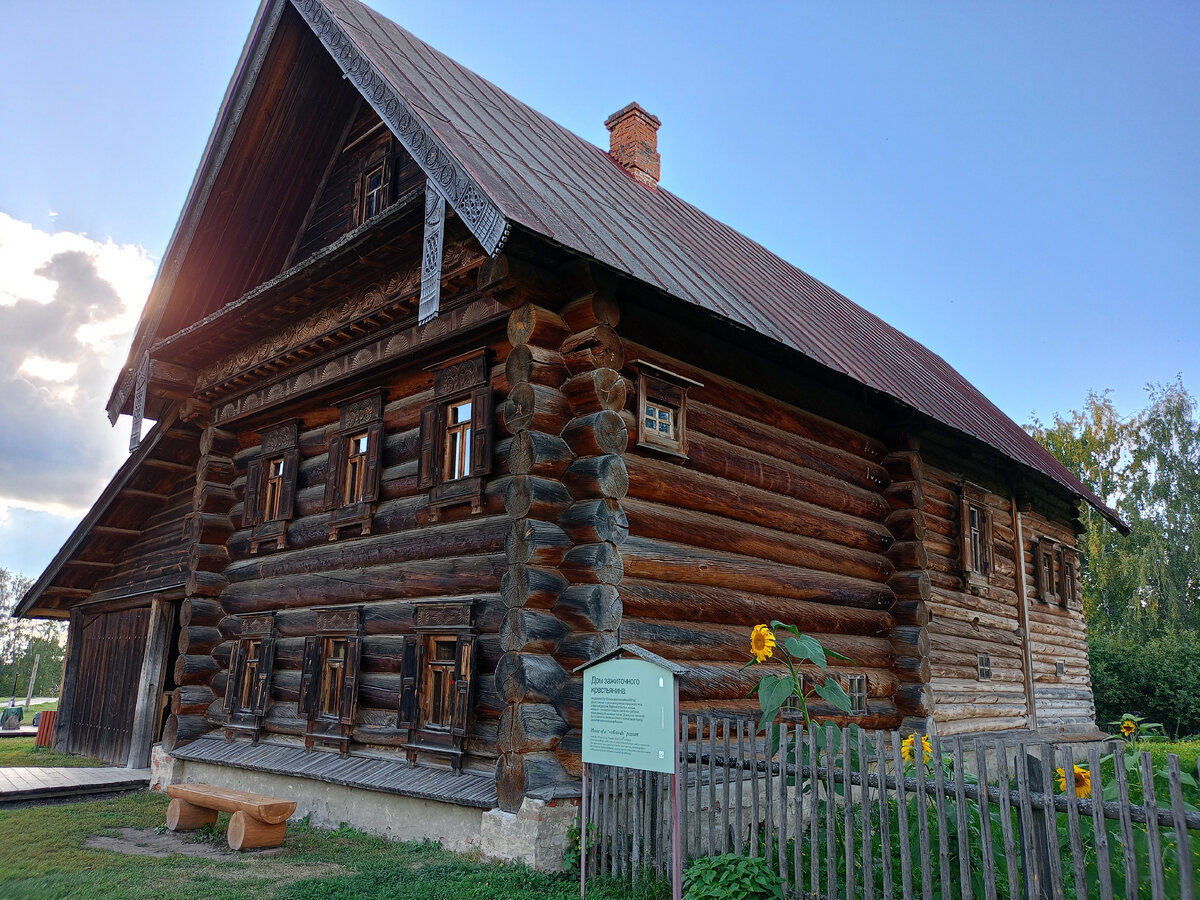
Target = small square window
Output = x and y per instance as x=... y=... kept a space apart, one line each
x=985 y=667
x=662 y=402
x=1060 y=668
x=858 y=694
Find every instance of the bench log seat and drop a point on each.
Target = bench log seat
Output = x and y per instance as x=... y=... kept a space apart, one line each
x=257 y=821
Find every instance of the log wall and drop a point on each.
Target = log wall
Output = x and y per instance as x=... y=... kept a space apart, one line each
x=1064 y=703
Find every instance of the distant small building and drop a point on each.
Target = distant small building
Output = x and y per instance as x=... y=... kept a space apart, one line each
x=448 y=401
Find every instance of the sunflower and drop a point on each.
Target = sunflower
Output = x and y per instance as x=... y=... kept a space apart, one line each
x=908 y=745
x=1128 y=727
x=1083 y=781
x=762 y=643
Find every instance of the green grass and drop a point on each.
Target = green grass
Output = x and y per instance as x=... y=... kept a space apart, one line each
x=42 y=858
x=19 y=751
x=1188 y=752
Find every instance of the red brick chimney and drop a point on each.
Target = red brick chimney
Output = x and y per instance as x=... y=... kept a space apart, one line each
x=633 y=142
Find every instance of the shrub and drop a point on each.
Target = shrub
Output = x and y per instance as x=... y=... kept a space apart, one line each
x=1151 y=675
x=731 y=877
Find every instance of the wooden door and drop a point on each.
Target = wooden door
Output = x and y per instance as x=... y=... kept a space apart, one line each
x=106 y=684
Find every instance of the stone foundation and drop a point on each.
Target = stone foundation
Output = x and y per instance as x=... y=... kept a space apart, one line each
x=536 y=834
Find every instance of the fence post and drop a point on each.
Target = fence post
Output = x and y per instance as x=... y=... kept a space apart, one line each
x=1039 y=838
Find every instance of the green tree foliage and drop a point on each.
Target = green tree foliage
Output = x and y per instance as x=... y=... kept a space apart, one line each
x=21 y=640
x=1141 y=591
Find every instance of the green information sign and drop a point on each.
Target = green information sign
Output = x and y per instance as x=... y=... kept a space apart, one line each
x=629 y=715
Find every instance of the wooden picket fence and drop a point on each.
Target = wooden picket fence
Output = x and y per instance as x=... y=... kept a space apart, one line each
x=841 y=813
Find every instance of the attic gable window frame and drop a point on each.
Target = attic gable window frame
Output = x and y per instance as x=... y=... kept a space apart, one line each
x=662 y=400
x=336 y=626
x=1056 y=569
x=464 y=379
x=270 y=497
x=426 y=679
x=358 y=416
x=251 y=668
x=976 y=542
x=370 y=202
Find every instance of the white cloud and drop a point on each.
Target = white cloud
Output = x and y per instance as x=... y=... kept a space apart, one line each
x=68 y=307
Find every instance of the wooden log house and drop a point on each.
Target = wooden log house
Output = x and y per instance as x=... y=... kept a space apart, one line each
x=448 y=401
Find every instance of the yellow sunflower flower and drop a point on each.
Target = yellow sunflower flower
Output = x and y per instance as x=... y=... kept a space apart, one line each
x=1083 y=781
x=762 y=643
x=908 y=746
x=1128 y=727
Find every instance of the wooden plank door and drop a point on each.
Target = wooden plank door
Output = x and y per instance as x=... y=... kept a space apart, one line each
x=110 y=663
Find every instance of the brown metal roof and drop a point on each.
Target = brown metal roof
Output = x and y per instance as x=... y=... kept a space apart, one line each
x=558 y=185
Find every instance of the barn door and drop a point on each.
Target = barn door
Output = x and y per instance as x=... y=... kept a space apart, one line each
x=112 y=646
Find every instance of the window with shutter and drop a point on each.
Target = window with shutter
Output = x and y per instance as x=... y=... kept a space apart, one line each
x=270 y=501
x=1068 y=575
x=248 y=689
x=437 y=689
x=975 y=535
x=329 y=681
x=355 y=452
x=662 y=409
x=1045 y=555
x=309 y=677
x=456 y=433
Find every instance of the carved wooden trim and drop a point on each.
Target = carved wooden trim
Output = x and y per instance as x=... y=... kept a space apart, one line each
x=340 y=620
x=443 y=616
x=384 y=349
x=257 y=625
x=453 y=181
x=431 y=254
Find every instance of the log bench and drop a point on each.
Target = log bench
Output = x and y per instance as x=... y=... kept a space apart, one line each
x=257 y=821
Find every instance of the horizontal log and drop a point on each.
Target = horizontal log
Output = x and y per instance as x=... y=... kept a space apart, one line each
x=905 y=495
x=598 y=347
x=910 y=641
x=735 y=606
x=576 y=649
x=592 y=564
x=908 y=555
x=535 y=407
x=596 y=390
x=194 y=669
x=200 y=611
x=210 y=528
x=536 y=498
x=525 y=586
x=535 y=453
x=729 y=681
x=589 y=607
x=537 y=365
x=914 y=700
x=663 y=482
x=198 y=639
x=217 y=440
x=911 y=612
x=911 y=586
x=597 y=434
x=904 y=465
x=660 y=561
x=534 y=543
x=528 y=678
x=530 y=727
x=700 y=529
x=531 y=631
x=181 y=730
x=205 y=584
x=906 y=524
x=593 y=521
x=530 y=324
x=526 y=774
x=912 y=670
x=597 y=476
x=596 y=307
x=456 y=576
x=191 y=699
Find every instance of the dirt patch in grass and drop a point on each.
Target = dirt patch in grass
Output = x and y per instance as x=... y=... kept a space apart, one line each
x=147 y=842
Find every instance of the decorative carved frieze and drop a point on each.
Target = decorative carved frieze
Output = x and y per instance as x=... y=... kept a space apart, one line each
x=356 y=413
x=139 y=401
x=253 y=626
x=343 y=620
x=444 y=615
x=323 y=323
x=391 y=347
x=431 y=256
x=285 y=437
x=461 y=376
x=454 y=182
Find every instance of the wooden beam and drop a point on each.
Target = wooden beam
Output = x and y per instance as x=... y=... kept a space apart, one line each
x=135 y=494
x=154 y=663
x=67 y=593
x=114 y=531
x=167 y=466
x=89 y=564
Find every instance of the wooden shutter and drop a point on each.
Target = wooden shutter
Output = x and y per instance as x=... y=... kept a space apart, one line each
x=1068 y=589
x=287 y=490
x=464 y=680
x=348 y=702
x=373 y=462
x=427 y=461
x=251 y=508
x=335 y=473
x=261 y=697
x=964 y=535
x=985 y=540
x=410 y=671
x=1044 y=551
x=481 y=430
x=310 y=677
x=237 y=666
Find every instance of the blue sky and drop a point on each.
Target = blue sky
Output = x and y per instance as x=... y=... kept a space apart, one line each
x=1014 y=184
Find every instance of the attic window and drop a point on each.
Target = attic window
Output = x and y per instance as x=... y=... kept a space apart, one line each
x=374 y=190
x=662 y=409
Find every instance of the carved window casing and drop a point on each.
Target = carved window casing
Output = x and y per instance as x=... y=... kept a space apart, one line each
x=373 y=193
x=355 y=460
x=248 y=690
x=662 y=409
x=456 y=433
x=437 y=687
x=270 y=500
x=975 y=539
x=329 y=677
x=1056 y=567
